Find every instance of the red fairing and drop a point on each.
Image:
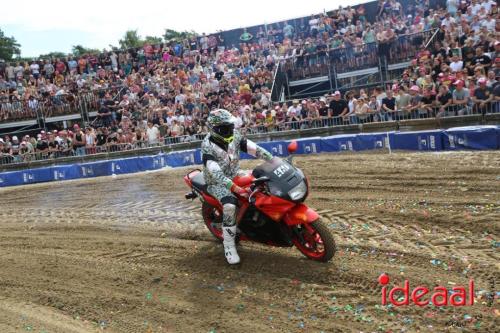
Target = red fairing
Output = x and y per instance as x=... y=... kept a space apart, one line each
x=300 y=214
x=243 y=181
x=212 y=201
x=187 y=178
x=272 y=206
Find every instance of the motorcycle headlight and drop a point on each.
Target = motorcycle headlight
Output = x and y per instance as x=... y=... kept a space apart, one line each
x=298 y=191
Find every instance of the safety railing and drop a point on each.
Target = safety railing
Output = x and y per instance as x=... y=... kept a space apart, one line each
x=373 y=115
x=54 y=105
x=405 y=48
x=183 y=138
x=354 y=57
x=18 y=110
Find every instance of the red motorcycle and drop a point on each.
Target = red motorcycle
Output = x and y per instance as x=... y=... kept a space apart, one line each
x=274 y=212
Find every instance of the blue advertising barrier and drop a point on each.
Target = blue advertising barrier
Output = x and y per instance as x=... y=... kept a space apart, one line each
x=94 y=169
x=65 y=172
x=308 y=146
x=277 y=148
x=181 y=158
x=422 y=140
x=11 y=178
x=369 y=141
x=474 y=137
x=336 y=143
x=159 y=161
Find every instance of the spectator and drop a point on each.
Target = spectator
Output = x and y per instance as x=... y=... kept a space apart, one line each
x=78 y=141
x=338 y=107
x=362 y=110
x=389 y=107
x=461 y=97
x=444 y=100
x=482 y=96
x=153 y=134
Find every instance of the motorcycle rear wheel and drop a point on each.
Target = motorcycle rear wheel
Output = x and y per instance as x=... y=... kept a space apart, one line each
x=315 y=241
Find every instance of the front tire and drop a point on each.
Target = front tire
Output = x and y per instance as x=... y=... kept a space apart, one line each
x=315 y=241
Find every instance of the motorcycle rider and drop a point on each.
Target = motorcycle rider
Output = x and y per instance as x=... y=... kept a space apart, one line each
x=221 y=154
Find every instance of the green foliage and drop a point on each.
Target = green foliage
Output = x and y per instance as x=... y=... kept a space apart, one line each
x=78 y=50
x=131 y=39
x=8 y=47
x=153 y=40
x=177 y=36
x=54 y=55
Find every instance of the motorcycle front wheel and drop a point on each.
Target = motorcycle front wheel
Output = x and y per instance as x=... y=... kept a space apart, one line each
x=315 y=241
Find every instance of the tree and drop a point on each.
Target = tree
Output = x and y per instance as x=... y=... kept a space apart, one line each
x=8 y=47
x=131 y=39
x=153 y=40
x=177 y=36
x=78 y=50
x=54 y=55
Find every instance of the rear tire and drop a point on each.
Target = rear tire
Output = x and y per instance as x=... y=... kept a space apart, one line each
x=307 y=238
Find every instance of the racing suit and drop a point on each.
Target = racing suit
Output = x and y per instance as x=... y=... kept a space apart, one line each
x=221 y=165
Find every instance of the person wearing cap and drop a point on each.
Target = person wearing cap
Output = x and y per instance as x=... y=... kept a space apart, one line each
x=338 y=107
x=482 y=97
x=415 y=99
x=15 y=146
x=293 y=113
x=324 y=112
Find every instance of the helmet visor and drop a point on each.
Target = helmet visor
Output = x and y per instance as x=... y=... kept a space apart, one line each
x=224 y=130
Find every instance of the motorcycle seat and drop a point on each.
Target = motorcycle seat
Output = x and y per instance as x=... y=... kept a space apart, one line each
x=198 y=181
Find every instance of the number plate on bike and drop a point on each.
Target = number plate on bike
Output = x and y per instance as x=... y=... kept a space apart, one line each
x=281 y=170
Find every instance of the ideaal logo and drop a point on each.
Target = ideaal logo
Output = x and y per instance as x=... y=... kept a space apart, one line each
x=440 y=296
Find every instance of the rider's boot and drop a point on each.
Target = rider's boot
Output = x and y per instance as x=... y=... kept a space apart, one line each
x=229 y=234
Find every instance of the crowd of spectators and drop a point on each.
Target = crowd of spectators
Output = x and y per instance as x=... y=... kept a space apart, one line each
x=162 y=93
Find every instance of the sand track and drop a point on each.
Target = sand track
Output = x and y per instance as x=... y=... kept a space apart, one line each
x=129 y=254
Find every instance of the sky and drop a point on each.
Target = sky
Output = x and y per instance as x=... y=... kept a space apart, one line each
x=57 y=25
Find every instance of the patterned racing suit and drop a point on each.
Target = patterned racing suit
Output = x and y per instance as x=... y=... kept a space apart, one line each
x=221 y=165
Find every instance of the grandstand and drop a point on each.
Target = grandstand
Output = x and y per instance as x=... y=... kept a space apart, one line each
x=379 y=62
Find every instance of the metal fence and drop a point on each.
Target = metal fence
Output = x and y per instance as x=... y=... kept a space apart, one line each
x=356 y=57
x=436 y=113
x=51 y=106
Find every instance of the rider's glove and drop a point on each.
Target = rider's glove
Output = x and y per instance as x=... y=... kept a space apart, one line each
x=239 y=190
